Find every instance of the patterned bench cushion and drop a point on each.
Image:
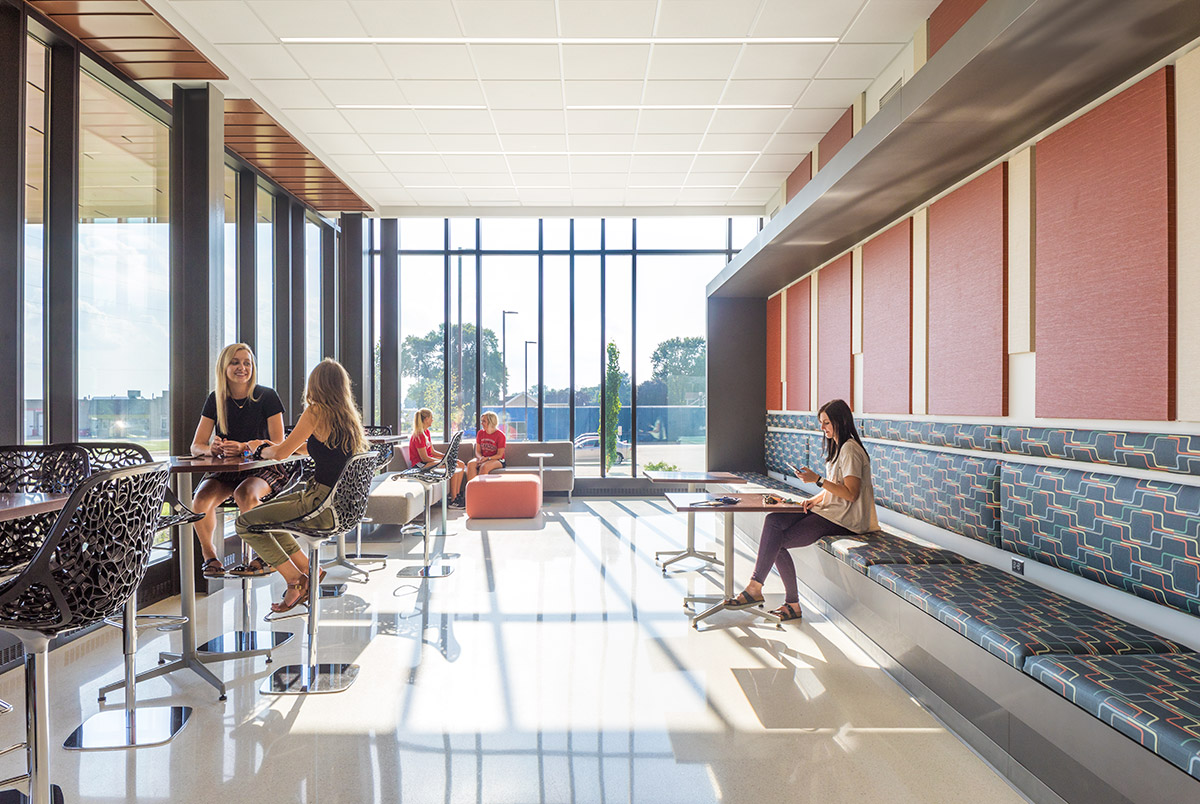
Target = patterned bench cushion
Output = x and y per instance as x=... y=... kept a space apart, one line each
x=1012 y=618
x=1142 y=536
x=1154 y=700
x=758 y=482
x=881 y=547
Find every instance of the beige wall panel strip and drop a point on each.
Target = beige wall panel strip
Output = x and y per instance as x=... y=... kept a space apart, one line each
x=812 y=337
x=920 y=312
x=1020 y=252
x=921 y=46
x=1187 y=295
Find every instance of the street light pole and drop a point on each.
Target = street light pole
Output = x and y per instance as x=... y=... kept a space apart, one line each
x=504 y=314
x=526 y=393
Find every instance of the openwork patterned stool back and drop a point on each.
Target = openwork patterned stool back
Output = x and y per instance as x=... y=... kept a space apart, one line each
x=87 y=567
x=51 y=469
x=105 y=455
x=384 y=452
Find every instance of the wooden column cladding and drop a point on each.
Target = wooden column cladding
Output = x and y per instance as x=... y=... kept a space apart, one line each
x=254 y=135
x=1105 y=274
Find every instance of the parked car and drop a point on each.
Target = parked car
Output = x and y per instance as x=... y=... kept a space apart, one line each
x=587 y=449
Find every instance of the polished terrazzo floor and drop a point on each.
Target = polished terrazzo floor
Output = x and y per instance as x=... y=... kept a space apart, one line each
x=556 y=664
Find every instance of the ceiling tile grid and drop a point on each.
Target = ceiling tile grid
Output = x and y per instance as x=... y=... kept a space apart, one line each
x=544 y=103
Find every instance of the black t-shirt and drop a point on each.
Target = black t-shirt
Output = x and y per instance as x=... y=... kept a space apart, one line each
x=248 y=417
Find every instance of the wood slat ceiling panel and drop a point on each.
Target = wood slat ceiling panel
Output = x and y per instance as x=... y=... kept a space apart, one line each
x=256 y=137
x=132 y=37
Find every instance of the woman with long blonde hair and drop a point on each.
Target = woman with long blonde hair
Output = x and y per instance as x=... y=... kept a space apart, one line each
x=238 y=416
x=422 y=453
x=331 y=430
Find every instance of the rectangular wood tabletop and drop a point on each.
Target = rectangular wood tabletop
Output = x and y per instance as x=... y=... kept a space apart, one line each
x=747 y=503
x=182 y=465
x=14 y=505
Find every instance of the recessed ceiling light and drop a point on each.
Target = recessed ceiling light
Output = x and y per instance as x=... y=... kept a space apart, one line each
x=558 y=40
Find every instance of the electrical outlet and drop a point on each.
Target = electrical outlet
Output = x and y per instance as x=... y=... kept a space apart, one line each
x=1018 y=566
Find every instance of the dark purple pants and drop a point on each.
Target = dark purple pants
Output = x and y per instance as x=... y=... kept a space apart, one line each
x=782 y=531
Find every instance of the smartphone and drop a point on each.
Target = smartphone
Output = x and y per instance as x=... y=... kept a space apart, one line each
x=792 y=466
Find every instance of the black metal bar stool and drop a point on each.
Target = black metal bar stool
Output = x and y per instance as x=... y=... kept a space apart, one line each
x=87 y=568
x=347 y=502
x=360 y=563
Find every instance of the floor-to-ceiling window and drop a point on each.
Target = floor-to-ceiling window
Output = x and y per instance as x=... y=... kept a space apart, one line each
x=230 y=274
x=312 y=295
x=618 y=319
x=264 y=286
x=124 y=262
x=34 y=428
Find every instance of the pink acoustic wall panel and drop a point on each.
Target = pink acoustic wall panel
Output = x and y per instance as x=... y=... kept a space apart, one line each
x=835 y=139
x=1105 y=259
x=774 y=353
x=835 y=371
x=799 y=349
x=799 y=177
x=968 y=354
x=887 y=321
x=947 y=18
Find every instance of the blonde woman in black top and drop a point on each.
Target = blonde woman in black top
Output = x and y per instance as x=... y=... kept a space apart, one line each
x=331 y=431
x=238 y=416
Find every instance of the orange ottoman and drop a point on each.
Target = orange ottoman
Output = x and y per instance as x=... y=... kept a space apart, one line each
x=515 y=496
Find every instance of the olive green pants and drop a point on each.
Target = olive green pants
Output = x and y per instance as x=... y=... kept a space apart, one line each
x=277 y=546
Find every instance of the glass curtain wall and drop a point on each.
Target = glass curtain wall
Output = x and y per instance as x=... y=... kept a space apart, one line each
x=312 y=296
x=654 y=274
x=264 y=280
x=34 y=429
x=230 y=295
x=124 y=259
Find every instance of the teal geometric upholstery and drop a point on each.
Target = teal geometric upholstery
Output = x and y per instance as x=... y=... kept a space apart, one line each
x=957 y=492
x=1142 y=536
x=1154 y=700
x=1168 y=452
x=1012 y=618
x=986 y=437
x=880 y=547
x=799 y=449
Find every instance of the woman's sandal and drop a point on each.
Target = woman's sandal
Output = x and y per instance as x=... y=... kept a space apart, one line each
x=213 y=568
x=283 y=606
x=257 y=568
x=786 y=612
x=742 y=601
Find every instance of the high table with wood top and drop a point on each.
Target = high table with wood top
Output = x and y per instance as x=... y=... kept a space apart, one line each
x=695 y=481
x=15 y=505
x=189 y=656
x=746 y=504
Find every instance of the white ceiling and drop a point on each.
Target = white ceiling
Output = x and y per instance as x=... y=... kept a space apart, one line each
x=513 y=126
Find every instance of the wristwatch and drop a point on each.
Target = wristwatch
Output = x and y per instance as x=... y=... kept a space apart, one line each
x=258 y=456
x=820 y=481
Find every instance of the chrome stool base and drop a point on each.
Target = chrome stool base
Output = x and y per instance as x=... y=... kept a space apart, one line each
x=17 y=797
x=120 y=728
x=438 y=571
x=246 y=644
x=298 y=679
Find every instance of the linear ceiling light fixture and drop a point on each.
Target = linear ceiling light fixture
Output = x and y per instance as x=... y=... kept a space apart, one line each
x=700 y=107
x=413 y=107
x=567 y=153
x=557 y=40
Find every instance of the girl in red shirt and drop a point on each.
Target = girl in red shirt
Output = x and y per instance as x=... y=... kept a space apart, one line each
x=489 y=447
x=422 y=453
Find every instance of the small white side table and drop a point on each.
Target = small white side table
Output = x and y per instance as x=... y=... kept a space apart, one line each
x=542 y=456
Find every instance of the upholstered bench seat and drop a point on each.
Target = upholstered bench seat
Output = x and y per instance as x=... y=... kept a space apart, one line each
x=1012 y=618
x=510 y=496
x=1154 y=700
x=756 y=481
x=880 y=547
x=397 y=500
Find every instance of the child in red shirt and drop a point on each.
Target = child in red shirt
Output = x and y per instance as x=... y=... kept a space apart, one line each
x=489 y=447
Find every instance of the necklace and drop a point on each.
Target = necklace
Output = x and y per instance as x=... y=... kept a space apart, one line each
x=241 y=405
